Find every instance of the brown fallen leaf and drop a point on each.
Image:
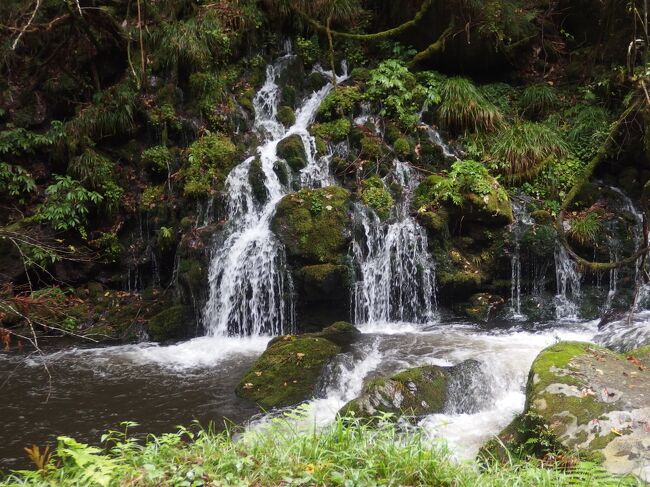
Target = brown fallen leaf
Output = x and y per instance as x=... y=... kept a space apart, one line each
x=248 y=385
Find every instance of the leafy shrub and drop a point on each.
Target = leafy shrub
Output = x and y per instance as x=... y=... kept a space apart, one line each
x=15 y=181
x=209 y=158
x=465 y=108
x=537 y=101
x=67 y=205
x=399 y=93
x=110 y=246
x=158 y=158
x=308 y=49
x=521 y=149
x=555 y=179
x=21 y=141
x=91 y=168
x=339 y=103
x=375 y=195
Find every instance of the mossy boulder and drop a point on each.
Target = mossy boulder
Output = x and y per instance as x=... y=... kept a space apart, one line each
x=335 y=131
x=413 y=392
x=494 y=207
x=292 y=150
x=256 y=179
x=419 y=391
x=170 y=323
x=286 y=116
x=288 y=370
x=593 y=400
x=315 y=225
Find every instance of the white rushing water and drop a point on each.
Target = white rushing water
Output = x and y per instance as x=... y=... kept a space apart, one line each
x=567 y=280
x=522 y=221
x=250 y=291
x=396 y=280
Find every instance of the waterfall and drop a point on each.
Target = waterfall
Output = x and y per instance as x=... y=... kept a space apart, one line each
x=520 y=224
x=250 y=290
x=396 y=273
x=567 y=280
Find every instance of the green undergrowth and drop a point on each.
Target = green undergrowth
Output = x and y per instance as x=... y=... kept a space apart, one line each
x=347 y=452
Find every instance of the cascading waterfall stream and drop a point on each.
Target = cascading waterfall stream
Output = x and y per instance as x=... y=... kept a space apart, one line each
x=567 y=280
x=522 y=222
x=249 y=288
x=396 y=274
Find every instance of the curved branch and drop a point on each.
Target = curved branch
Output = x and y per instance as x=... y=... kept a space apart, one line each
x=575 y=190
x=435 y=47
x=369 y=37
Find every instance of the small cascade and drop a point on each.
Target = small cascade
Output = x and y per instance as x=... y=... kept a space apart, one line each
x=522 y=221
x=567 y=280
x=396 y=274
x=250 y=291
x=436 y=139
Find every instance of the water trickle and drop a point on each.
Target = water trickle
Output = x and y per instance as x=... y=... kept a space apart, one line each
x=522 y=221
x=250 y=291
x=567 y=280
x=396 y=273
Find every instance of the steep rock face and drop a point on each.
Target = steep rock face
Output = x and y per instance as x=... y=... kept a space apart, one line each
x=315 y=227
x=287 y=372
x=414 y=392
x=593 y=400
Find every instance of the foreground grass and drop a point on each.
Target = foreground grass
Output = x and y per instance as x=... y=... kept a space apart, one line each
x=278 y=454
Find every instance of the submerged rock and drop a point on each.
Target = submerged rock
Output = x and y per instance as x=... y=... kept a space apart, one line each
x=288 y=370
x=590 y=399
x=416 y=392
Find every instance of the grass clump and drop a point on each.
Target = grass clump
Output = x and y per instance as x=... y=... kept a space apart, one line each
x=537 y=101
x=586 y=228
x=464 y=108
x=347 y=452
x=521 y=149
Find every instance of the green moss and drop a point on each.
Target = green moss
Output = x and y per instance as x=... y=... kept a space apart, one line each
x=281 y=171
x=169 y=323
x=315 y=224
x=287 y=371
x=339 y=103
x=413 y=392
x=402 y=147
x=372 y=147
x=335 y=131
x=375 y=194
x=256 y=179
x=286 y=116
x=292 y=150
x=209 y=160
x=152 y=197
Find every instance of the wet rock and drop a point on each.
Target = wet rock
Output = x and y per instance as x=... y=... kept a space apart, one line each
x=292 y=150
x=589 y=399
x=416 y=392
x=323 y=293
x=170 y=323
x=288 y=371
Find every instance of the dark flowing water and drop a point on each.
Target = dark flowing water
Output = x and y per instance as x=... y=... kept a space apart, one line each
x=84 y=392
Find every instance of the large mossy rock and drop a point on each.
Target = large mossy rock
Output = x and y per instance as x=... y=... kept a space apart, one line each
x=288 y=370
x=315 y=225
x=292 y=150
x=418 y=391
x=593 y=400
x=173 y=322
